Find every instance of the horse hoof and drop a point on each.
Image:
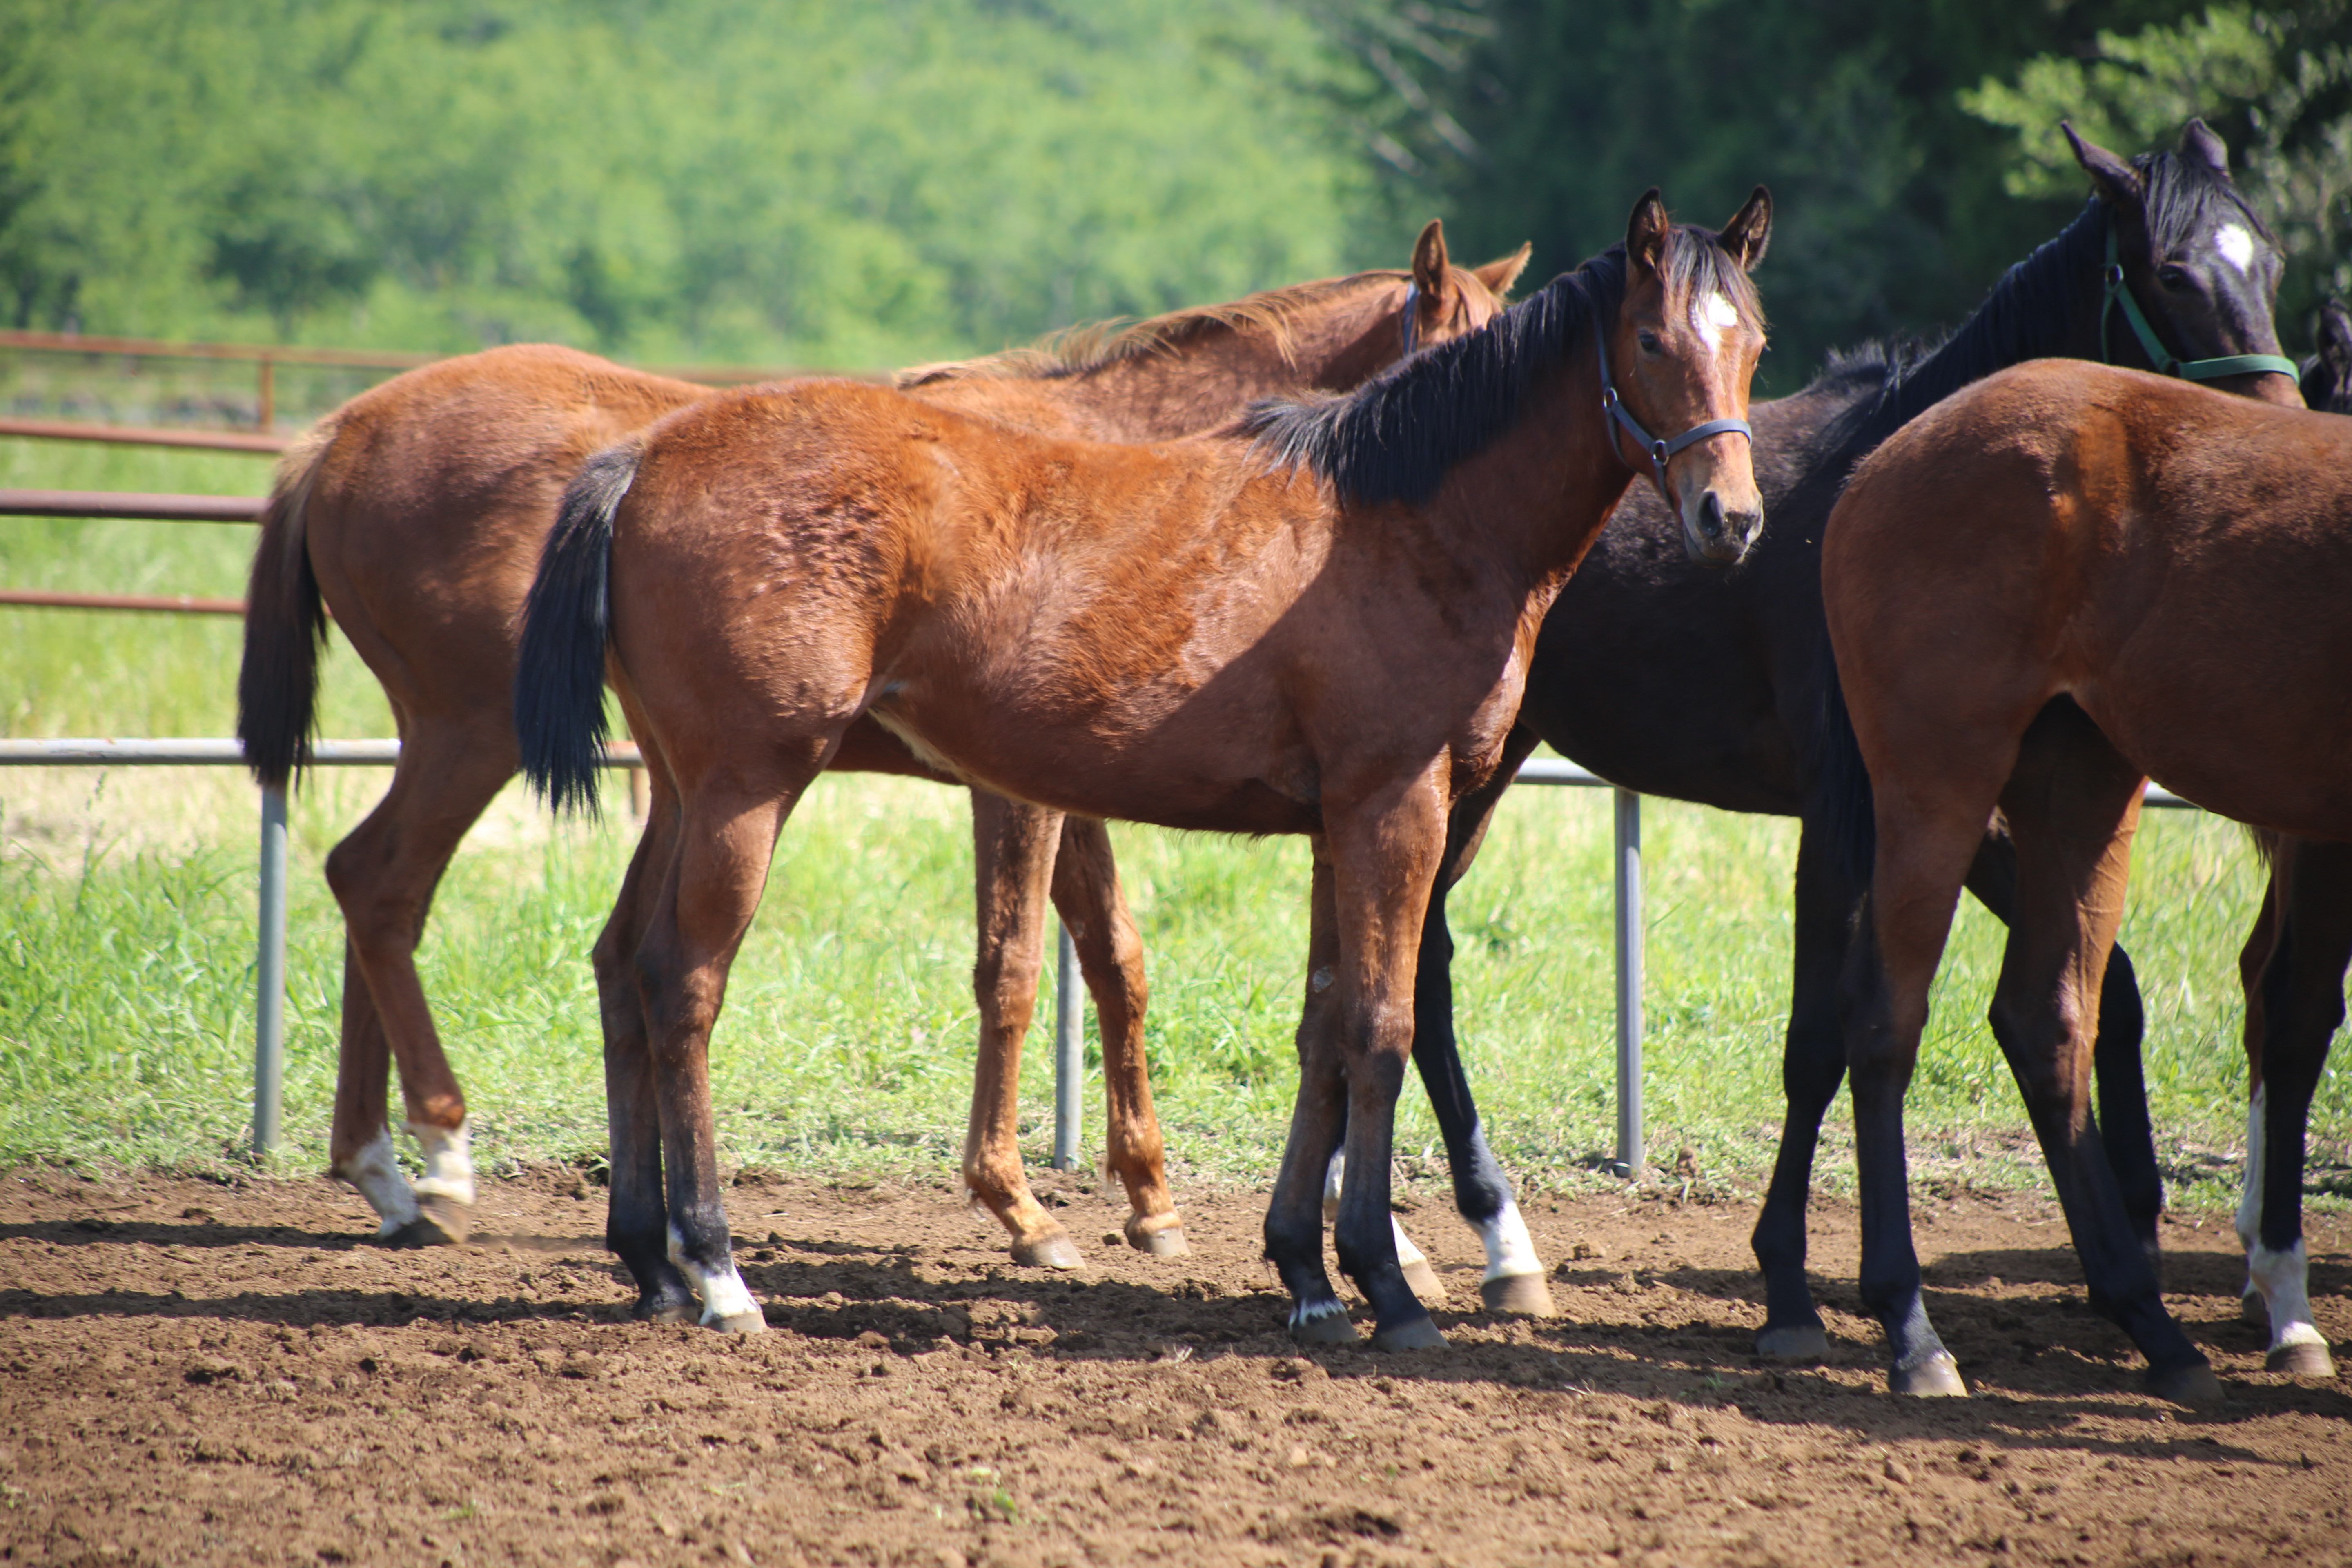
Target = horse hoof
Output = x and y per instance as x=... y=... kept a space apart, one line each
x=1938 y=1377
x=2309 y=1359
x=1055 y=1251
x=1413 y=1334
x=1801 y=1341
x=2192 y=1385
x=1422 y=1280
x=1325 y=1329
x=1517 y=1295
x=1168 y=1241
x=439 y=1221
x=666 y=1309
x=751 y=1323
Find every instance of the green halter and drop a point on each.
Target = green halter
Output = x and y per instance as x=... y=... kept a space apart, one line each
x=2120 y=294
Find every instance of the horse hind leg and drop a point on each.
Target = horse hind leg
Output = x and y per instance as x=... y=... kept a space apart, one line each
x=383 y=876
x=1812 y=1065
x=636 y=1220
x=2072 y=804
x=2302 y=1005
x=1012 y=862
x=1310 y=1155
x=1110 y=954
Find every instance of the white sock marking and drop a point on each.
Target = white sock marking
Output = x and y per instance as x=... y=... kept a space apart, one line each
x=448 y=1161
x=2250 y=1201
x=1407 y=1253
x=723 y=1293
x=1511 y=1250
x=2281 y=1278
x=2236 y=246
x=376 y=1173
x=1307 y=1311
x=1335 y=1176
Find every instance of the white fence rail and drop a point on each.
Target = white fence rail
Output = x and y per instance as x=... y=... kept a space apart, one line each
x=269 y=980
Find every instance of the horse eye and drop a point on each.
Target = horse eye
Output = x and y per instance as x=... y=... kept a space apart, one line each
x=2172 y=276
x=1649 y=342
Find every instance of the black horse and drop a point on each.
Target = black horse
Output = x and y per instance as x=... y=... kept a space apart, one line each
x=1719 y=685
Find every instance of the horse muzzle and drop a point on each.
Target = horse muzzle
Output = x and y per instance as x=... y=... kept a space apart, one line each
x=1719 y=529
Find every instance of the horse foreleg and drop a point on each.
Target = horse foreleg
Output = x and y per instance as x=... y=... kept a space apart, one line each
x=2302 y=987
x=1110 y=954
x=2252 y=959
x=1294 y=1215
x=383 y=876
x=710 y=893
x=2072 y=804
x=1385 y=855
x=1012 y=862
x=2124 y=1126
x=1813 y=1065
x=636 y=1221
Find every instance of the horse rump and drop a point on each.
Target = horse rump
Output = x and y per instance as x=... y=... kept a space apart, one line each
x=559 y=697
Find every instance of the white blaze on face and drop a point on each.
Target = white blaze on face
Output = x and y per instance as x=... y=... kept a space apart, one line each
x=2236 y=246
x=1712 y=317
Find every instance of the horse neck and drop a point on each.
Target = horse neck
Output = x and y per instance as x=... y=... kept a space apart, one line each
x=1529 y=505
x=2045 y=307
x=1212 y=374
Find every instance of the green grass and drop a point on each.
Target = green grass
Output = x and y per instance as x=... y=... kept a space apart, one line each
x=126 y=949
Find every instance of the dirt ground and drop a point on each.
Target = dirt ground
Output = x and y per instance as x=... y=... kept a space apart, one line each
x=194 y=1373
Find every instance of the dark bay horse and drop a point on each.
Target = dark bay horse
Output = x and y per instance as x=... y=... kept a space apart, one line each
x=1315 y=626
x=1719 y=679
x=2292 y=968
x=415 y=514
x=2048 y=590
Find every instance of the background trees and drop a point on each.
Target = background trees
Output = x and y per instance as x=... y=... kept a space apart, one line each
x=794 y=180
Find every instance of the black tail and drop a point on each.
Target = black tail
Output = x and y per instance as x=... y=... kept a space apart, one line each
x=1842 y=785
x=285 y=627
x=559 y=675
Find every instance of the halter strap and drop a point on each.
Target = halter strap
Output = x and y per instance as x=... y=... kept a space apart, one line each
x=1411 y=316
x=1613 y=407
x=2119 y=297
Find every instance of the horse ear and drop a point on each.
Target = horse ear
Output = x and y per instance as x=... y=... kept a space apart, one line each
x=1750 y=231
x=2335 y=342
x=1502 y=276
x=1646 y=230
x=2117 y=183
x=2197 y=142
x=1429 y=261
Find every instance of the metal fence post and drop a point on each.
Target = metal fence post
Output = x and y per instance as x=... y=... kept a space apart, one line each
x=1069 y=1063
x=269 y=978
x=1629 y=983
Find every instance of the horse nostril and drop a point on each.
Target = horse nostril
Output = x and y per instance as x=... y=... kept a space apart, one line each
x=1710 y=515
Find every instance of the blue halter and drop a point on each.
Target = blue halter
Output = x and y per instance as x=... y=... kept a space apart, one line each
x=1613 y=406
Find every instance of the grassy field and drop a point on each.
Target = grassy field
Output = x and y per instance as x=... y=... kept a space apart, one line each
x=126 y=917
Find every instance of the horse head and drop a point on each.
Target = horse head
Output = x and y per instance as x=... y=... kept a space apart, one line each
x=1677 y=362
x=2191 y=270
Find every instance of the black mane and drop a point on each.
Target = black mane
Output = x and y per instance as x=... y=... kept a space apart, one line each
x=1397 y=436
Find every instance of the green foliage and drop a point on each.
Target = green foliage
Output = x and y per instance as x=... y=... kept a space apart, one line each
x=2277 y=87
x=716 y=178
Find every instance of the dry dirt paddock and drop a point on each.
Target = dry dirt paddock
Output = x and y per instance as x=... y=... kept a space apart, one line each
x=195 y=1373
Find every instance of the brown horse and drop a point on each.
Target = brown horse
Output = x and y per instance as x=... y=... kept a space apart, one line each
x=2043 y=592
x=1320 y=628
x=416 y=513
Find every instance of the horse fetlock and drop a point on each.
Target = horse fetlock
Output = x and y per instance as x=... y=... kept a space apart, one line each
x=448 y=1160
x=710 y=1272
x=375 y=1171
x=1511 y=1250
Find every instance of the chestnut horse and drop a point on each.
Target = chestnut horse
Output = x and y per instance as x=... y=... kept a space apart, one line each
x=2049 y=589
x=1317 y=627
x=415 y=512
x=1719 y=677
